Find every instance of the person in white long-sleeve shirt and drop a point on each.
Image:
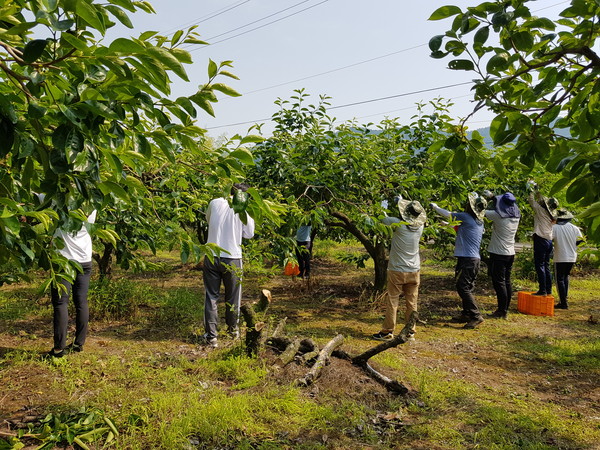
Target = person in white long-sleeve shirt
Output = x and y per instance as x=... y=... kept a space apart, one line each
x=226 y=230
x=78 y=248
x=505 y=218
x=566 y=237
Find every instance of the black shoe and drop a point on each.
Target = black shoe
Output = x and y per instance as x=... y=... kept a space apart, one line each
x=461 y=318
x=561 y=306
x=473 y=323
x=539 y=293
x=497 y=315
x=383 y=336
x=54 y=354
x=73 y=348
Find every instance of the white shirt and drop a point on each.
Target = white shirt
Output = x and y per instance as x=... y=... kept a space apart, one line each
x=565 y=239
x=404 y=251
x=225 y=228
x=504 y=230
x=78 y=245
x=542 y=220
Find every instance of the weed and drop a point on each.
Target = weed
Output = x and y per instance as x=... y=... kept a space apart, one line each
x=118 y=298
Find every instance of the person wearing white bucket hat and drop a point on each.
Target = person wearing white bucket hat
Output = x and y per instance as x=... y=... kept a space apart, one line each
x=403 y=275
x=544 y=210
x=468 y=259
x=566 y=237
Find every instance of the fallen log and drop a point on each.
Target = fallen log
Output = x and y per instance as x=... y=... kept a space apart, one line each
x=279 y=328
x=401 y=338
x=322 y=360
x=305 y=358
x=280 y=343
x=362 y=360
x=289 y=353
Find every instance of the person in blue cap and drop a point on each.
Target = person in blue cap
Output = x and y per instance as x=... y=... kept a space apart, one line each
x=505 y=216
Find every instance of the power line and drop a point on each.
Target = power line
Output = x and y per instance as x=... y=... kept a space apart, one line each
x=255 y=21
x=335 y=70
x=207 y=17
x=355 y=103
x=262 y=26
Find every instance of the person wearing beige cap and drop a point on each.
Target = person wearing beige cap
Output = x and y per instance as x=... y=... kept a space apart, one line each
x=544 y=216
x=566 y=237
x=403 y=274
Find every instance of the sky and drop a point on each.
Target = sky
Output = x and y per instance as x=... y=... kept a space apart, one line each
x=355 y=52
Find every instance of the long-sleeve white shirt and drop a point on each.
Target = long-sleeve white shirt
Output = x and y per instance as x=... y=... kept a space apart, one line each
x=225 y=228
x=542 y=220
x=504 y=230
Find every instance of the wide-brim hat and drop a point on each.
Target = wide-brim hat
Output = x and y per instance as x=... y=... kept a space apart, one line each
x=551 y=205
x=563 y=214
x=506 y=205
x=477 y=204
x=412 y=212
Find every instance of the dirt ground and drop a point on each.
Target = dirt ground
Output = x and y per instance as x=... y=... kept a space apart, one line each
x=491 y=357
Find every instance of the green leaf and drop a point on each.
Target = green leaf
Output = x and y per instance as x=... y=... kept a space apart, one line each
x=577 y=190
x=441 y=161
x=445 y=12
x=559 y=185
x=497 y=63
x=74 y=41
x=212 y=69
x=110 y=187
x=436 y=42
x=120 y=15
x=523 y=41
x=481 y=36
x=7 y=136
x=168 y=60
x=225 y=89
x=126 y=46
x=243 y=155
x=202 y=101
x=251 y=138
x=33 y=50
x=89 y=13
x=461 y=64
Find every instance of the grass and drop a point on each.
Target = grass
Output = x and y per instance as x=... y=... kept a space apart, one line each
x=526 y=383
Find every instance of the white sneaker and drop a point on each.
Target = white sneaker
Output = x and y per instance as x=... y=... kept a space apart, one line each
x=210 y=342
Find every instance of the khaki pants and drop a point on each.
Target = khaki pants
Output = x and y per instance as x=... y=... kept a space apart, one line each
x=397 y=283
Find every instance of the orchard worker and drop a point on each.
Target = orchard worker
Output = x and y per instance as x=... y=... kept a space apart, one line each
x=78 y=248
x=304 y=250
x=505 y=216
x=566 y=237
x=468 y=260
x=544 y=216
x=403 y=274
x=226 y=230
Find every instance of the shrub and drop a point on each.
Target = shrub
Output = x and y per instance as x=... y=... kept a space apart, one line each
x=117 y=298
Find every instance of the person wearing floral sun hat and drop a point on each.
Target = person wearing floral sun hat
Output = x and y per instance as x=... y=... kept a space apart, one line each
x=544 y=216
x=505 y=216
x=566 y=237
x=468 y=259
x=403 y=275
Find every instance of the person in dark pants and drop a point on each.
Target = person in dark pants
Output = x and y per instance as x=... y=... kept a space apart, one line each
x=544 y=216
x=226 y=230
x=468 y=260
x=78 y=248
x=505 y=216
x=566 y=238
x=304 y=250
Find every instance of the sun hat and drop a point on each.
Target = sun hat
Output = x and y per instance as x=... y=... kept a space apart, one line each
x=477 y=204
x=412 y=212
x=506 y=206
x=563 y=214
x=551 y=205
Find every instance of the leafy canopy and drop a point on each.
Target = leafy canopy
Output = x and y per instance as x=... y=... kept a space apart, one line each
x=540 y=77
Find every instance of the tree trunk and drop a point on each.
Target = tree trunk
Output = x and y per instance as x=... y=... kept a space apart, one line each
x=254 y=331
x=105 y=261
x=375 y=249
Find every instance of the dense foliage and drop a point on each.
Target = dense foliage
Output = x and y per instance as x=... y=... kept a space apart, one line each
x=84 y=122
x=541 y=79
